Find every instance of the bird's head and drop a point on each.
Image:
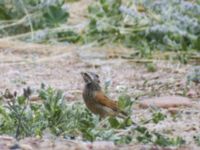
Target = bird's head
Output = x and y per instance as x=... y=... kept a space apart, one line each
x=90 y=77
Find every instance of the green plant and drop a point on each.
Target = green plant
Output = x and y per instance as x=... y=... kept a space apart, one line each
x=21 y=118
x=125 y=103
x=53 y=109
x=194 y=75
x=25 y=17
x=151 y=67
x=166 y=141
x=145 y=136
x=71 y=0
x=158 y=116
x=145 y=25
x=104 y=20
x=69 y=36
x=54 y=15
x=197 y=139
x=157 y=138
x=182 y=57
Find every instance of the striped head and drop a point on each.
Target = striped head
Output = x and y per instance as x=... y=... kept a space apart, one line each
x=90 y=77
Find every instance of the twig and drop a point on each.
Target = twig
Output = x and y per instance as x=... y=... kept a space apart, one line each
x=14 y=24
x=7 y=21
x=62 y=28
x=29 y=19
x=102 y=123
x=141 y=60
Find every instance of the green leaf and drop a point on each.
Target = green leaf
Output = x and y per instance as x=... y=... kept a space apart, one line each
x=128 y=121
x=158 y=116
x=145 y=136
x=141 y=129
x=54 y=15
x=69 y=36
x=88 y=135
x=21 y=100
x=124 y=102
x=114 y=123
x=151 y=67
x=124 y=140
x=166 y=141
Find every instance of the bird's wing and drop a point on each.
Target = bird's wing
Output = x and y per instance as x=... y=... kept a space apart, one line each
x=105 y=101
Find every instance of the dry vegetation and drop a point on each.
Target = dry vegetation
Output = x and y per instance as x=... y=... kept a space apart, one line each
x=25 y=64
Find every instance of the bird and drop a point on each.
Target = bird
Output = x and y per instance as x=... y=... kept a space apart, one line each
x=96 y=101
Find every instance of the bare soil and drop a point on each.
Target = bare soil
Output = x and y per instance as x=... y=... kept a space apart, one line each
x=25 y=64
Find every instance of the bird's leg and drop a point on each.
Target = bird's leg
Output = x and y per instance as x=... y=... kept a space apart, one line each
x=102 y=122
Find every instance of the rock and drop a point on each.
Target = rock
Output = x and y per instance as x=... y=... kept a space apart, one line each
x=166 y=102
x=31 y=143
x=173 y=110
x=7 y=142
x=191 y=93
x=121 y=88
x=99 y=145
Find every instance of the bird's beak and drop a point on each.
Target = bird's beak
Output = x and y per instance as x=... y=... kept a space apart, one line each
x=86 y=77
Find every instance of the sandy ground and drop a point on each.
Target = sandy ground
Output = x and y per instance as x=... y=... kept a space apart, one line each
x=59 y=66
x=24 y=64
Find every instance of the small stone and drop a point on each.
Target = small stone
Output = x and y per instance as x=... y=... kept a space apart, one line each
x=121 y=88
x=191 y=93
x=173 y=110
x=7 y=142
x=99 y=145
x=69 y=96
x=166 y=102
x=26 y=147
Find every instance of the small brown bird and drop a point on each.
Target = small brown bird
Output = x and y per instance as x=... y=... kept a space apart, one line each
x=95 y=99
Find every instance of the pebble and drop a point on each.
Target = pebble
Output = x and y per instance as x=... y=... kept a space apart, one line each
x=166 y=102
